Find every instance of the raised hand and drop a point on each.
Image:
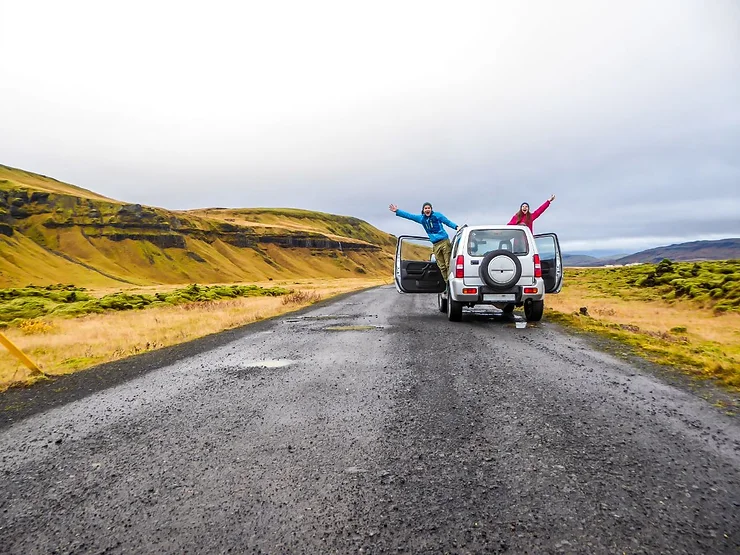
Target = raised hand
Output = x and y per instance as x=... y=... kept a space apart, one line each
x=552 y=198
x=393 y=208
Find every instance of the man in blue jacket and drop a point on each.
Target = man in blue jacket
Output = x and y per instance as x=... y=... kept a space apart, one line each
x=432 y=222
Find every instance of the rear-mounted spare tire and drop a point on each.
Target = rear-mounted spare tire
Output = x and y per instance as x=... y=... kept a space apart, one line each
x=500 y=270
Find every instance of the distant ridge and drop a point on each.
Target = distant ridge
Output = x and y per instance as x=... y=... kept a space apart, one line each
x=694 y=251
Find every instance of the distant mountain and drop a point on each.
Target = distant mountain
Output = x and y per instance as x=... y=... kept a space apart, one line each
x=721 y=249
x=694 y=251
x=576 y=260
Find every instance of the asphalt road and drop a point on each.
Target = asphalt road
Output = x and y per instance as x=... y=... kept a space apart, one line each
x=371 y=425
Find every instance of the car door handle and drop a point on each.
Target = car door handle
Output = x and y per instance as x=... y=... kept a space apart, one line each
x=475 y=262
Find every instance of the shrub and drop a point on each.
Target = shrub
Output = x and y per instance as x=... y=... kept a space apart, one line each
x=300 y=297
x=35 y=326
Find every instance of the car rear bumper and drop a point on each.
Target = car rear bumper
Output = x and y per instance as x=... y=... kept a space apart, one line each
x=485 y=295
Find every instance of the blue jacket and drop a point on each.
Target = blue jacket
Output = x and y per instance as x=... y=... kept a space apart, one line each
x=432 y=224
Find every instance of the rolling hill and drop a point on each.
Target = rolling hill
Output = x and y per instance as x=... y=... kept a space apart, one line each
x=54 y=232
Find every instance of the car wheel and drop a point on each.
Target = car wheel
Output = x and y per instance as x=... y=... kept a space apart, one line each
x=509 y=308
x=441 y=303
x=533 y=310
x=500 y=270
x=454 y=310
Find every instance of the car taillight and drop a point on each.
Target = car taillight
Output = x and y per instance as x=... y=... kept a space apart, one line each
x=460 y=266
x=537 y=266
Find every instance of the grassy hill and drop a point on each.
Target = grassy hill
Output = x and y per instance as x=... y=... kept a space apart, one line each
x=53 y=232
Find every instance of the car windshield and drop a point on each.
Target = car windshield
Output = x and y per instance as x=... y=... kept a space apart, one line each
x=483 y=241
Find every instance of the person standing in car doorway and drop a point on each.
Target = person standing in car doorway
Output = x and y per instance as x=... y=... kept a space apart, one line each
x=525 y=217
x=432 y=222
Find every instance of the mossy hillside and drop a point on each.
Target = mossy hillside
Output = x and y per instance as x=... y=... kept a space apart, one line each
x=13 y=178
x=97 y=262
x=32 y=302
x=56 y=237
x=714 y=284
x=23 y=261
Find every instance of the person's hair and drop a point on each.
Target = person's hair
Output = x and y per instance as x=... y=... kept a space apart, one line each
x=521 y=217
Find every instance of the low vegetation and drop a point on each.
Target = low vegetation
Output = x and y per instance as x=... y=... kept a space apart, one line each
x=19 y=306
x=686 y=315
x=708 y=285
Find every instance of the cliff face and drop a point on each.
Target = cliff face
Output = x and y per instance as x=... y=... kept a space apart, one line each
x=183 y=246
x=22 y=210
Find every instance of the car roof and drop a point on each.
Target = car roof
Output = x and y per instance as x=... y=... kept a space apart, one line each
x=495 y=227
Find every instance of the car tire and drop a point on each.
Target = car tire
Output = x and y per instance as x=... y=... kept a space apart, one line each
x=441 y=303
x=500 y=270
x=533 y=310
x=454 y=310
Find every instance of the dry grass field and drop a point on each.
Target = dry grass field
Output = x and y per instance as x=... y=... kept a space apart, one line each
x=60 y=345
x=696 y=334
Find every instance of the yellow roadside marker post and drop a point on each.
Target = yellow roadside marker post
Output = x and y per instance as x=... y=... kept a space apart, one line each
x=19 y=354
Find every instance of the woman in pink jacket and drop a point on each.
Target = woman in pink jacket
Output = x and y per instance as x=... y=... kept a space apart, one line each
x=525 y=217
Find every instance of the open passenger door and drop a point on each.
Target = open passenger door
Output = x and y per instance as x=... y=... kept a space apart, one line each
x=551 y=260
x=414 y=267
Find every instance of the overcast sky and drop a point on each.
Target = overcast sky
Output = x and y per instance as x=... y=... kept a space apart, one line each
x=628 y=111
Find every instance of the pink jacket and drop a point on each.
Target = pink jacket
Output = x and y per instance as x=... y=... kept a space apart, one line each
x=536 y=214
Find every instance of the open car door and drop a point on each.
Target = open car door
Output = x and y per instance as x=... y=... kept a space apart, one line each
x=551 y=260
x=414 y=268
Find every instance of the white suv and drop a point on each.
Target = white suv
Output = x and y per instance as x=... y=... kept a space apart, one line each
x=500 y=265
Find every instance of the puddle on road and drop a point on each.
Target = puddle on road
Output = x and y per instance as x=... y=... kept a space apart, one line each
x=353 y=328
x=269 y=363
x=320 y=317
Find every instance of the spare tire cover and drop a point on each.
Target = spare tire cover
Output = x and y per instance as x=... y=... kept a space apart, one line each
x=500 y=270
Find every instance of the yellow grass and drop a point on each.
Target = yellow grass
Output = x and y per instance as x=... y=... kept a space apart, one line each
x=691 y=339
x=652 y=316
x=68 y=345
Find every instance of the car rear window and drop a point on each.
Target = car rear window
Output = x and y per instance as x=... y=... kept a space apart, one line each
x=483 y=241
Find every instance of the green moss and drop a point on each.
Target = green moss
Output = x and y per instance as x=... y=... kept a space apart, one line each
x=709 y=284
x=30 y=302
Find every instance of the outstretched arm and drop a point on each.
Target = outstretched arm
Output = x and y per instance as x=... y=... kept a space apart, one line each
x=513 y=219
x=445 y=220
x=537 y=213
x=401 y=214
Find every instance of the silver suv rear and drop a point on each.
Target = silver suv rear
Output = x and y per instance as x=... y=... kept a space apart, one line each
x=500 y=265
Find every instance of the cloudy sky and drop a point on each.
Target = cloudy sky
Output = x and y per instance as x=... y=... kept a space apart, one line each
x=628 y=111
